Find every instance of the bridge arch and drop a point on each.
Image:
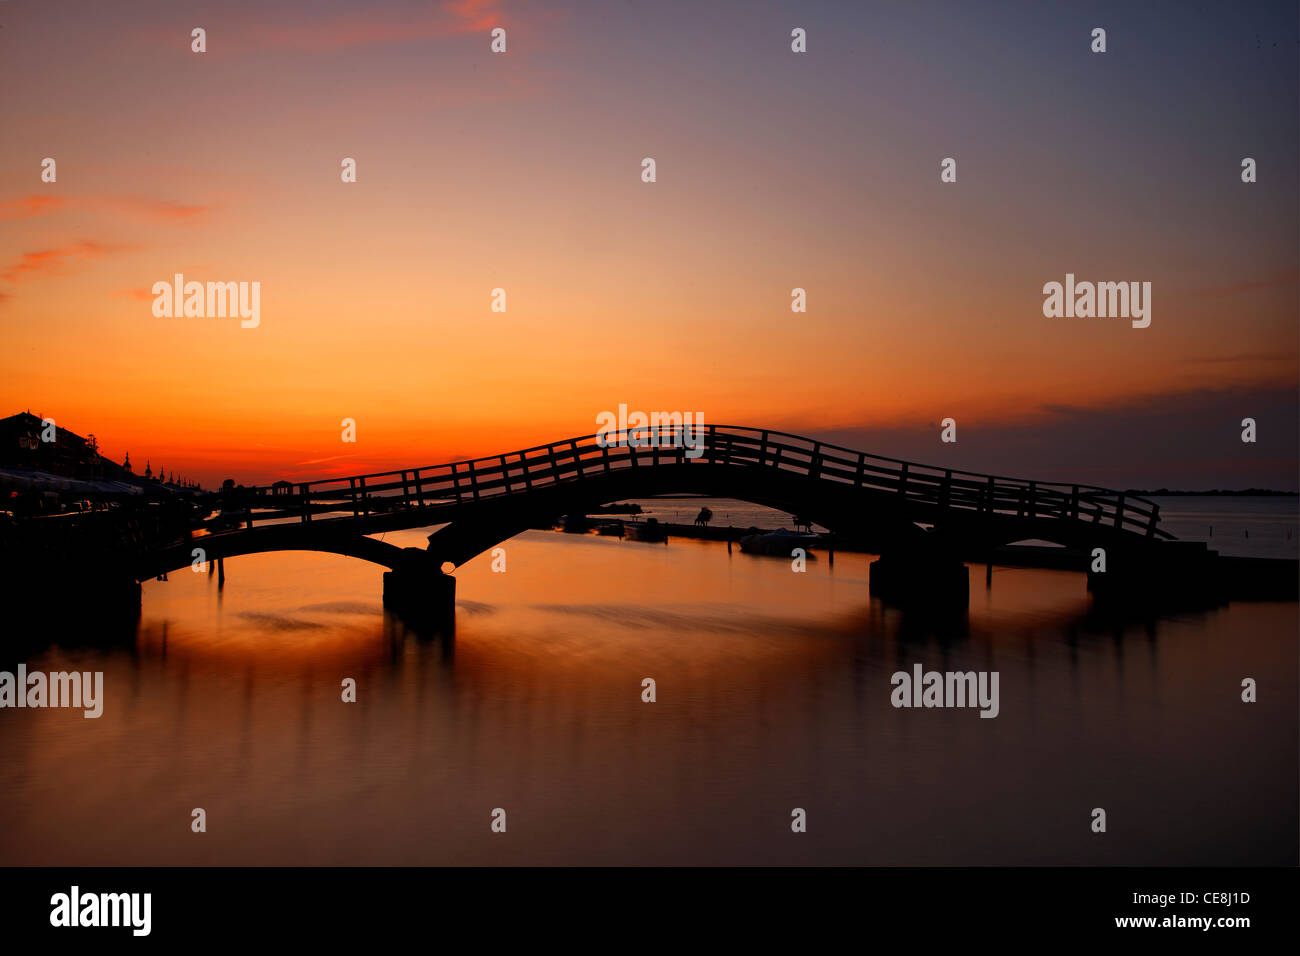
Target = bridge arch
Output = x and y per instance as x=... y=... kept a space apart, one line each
x=279 y=538
x=876 y=502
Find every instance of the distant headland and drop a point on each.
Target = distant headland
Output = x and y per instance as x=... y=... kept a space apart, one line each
x=1219 y=492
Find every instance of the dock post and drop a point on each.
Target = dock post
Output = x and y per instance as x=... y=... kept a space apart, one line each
x=221 y=573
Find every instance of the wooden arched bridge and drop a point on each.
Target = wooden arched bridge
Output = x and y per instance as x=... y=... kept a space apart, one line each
x=920 y=518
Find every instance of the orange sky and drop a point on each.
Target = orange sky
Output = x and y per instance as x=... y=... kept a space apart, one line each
x=521 y=171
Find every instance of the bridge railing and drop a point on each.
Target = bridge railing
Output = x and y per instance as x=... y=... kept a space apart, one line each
x=705 y=445
x=949 y=488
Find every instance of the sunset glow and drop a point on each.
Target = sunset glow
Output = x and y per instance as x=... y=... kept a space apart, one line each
x=519 y=172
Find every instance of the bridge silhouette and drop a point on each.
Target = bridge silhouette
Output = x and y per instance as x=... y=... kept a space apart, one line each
x=920 y=519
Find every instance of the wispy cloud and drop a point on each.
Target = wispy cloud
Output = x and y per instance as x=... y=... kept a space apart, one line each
x=1244 y=357
x=57 y=261
x=54 y=260
x=142 y=208
x=475 y=14
x=158 y=210
x=1289 y=277
x=29 y=207
x=317 y=461
x=1175 y=439
x=141 y=294
x=374 y=27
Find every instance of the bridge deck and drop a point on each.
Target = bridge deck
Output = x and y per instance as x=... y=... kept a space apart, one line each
x=573 y=460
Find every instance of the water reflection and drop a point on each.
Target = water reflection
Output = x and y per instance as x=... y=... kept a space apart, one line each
x=773 y=693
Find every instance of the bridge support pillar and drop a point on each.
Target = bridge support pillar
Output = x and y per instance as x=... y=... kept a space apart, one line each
x=916 y=579
x=421 y=593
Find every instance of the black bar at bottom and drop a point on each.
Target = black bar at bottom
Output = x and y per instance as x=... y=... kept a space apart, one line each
x=667 y=907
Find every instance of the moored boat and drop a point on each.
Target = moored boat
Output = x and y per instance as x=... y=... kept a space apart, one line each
x=648 y=530
x=576 y=524
x=780 y=542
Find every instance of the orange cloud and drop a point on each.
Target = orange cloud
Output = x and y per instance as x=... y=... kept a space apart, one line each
x=140 y=295
x=29 y=207
x=137 y=207
x=53 y=261
x=163 y=210
x=372 y=27
x=477 y=14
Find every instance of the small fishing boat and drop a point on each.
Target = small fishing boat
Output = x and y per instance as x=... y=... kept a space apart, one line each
x=610 y=528
x=780 y=542
x=576 y=524
x=227 y=519
x=648 y=530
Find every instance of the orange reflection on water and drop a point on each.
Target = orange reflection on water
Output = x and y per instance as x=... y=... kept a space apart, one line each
x=772 y=692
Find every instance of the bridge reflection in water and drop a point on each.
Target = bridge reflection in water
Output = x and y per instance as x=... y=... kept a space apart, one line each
x=773 y=693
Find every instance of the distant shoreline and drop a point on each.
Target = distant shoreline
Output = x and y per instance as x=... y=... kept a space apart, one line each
x=1160 y=493
x=1216 y=493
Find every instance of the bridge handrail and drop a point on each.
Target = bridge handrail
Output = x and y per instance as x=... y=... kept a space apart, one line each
x=645 y=431
x=571 y=459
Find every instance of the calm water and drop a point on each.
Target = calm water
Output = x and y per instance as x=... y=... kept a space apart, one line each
x=773 y=693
